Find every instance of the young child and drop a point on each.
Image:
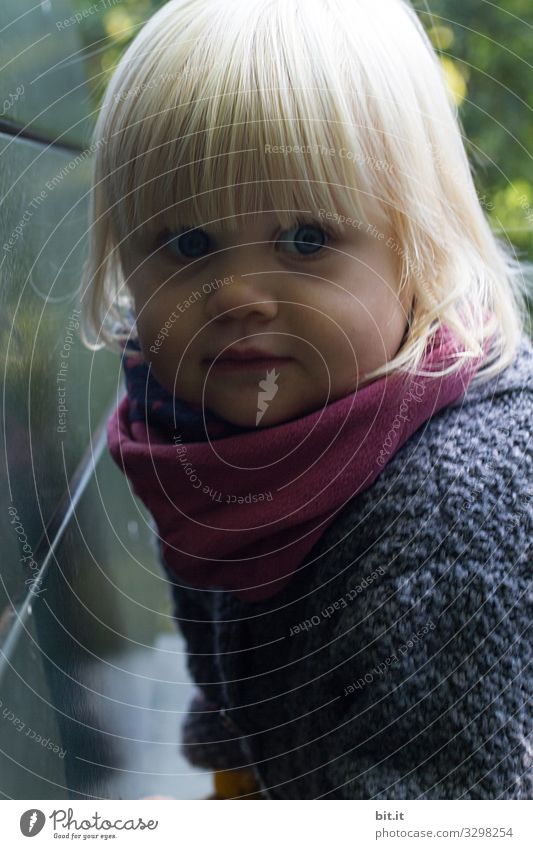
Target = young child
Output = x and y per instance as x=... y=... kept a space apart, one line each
x=328 y=398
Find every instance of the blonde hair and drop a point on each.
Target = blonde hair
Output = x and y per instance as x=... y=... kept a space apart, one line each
x=208 y=87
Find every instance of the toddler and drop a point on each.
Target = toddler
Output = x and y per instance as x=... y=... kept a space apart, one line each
x=328 y=398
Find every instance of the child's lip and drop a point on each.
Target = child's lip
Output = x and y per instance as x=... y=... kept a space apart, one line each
x=257 y=362
x=236 y=353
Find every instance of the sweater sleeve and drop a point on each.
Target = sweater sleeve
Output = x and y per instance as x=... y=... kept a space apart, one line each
x=433 y=667
x=206 y=741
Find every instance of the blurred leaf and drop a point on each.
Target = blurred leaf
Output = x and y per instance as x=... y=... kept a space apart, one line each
x=454 y=79
x=118 y=24
x=441 y=37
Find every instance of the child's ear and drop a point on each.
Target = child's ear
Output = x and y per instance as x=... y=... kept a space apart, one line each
x=132 y=348
x=130 y=343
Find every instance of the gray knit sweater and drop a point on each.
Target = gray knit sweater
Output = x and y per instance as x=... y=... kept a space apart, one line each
x=396 y=662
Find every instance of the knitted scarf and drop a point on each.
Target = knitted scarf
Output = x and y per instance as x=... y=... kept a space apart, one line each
x=239 y=509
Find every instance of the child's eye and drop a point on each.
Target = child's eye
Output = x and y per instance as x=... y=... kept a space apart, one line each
x=189 y=244
x=303 y=239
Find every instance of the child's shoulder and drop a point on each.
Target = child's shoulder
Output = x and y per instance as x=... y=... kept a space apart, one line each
x=515 y=380
x=460 y=488
x=486 y=430
x=489 y=424
x=488 y=421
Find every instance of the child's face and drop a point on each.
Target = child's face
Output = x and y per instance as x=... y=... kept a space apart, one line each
x=331 y=309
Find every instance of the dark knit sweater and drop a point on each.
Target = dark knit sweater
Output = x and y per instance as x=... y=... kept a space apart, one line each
x=396 y=663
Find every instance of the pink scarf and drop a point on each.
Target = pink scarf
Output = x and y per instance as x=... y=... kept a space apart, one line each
x=241 y=513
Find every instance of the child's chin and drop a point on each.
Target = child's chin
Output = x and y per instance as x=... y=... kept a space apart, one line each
x=253 y=418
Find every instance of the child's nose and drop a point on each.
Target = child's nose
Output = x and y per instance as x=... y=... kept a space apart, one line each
x=242 y=295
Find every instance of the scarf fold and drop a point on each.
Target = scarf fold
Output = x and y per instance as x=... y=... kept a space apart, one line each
x=239 y=509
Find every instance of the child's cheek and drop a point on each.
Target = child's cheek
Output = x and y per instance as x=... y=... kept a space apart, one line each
x=157 y=331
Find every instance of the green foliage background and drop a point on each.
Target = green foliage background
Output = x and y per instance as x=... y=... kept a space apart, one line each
x=488 y=47
x=486 y=53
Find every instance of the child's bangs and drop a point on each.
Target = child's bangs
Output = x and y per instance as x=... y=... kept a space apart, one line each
x=224 y=173
x=212 y=131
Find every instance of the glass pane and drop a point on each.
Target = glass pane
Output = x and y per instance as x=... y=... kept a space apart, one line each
x=96 y=666
x=50 y=403
x=43 y=71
